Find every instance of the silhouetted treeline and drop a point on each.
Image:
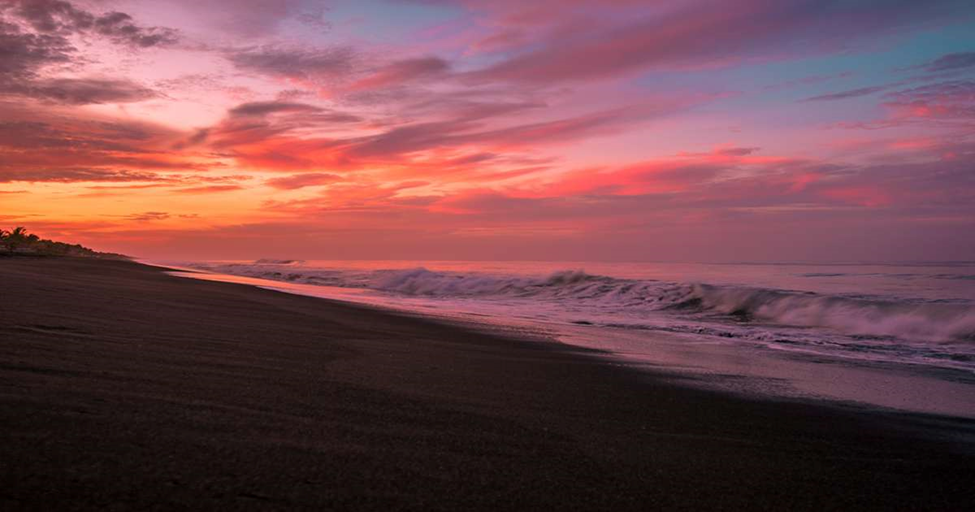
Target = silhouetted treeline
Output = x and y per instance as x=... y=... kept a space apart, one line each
x=19 y=241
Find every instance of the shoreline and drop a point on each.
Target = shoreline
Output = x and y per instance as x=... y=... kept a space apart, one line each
x=123 y=384
x=746 y=369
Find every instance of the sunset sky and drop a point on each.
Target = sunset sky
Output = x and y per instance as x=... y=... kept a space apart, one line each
x=746 y=130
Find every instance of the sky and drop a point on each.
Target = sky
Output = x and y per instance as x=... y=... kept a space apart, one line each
x=601 y=130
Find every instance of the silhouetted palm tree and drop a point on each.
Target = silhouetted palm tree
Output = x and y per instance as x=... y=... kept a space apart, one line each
x=19 y=238
x=16 y=237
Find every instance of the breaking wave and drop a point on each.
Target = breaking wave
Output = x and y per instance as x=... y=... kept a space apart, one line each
x=576 y=290
x=925 y=321
x=268 y=261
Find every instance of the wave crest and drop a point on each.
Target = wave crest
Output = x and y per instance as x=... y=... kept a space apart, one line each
x=921 y=321
x=579 y=291
x=271 y=261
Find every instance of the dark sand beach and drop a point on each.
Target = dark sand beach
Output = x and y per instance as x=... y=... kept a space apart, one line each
x=122 y=387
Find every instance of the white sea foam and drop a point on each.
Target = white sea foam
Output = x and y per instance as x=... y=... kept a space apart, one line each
x=919 y=321
x=879 y=326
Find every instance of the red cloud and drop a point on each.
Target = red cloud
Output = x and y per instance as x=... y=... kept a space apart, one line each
x=302 y=180
x=208 y=189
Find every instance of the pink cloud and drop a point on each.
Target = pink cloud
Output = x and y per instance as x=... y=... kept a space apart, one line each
x=403 y=71
x=952 y=99
x=302 y=180
x=556 y=125
x=580 y=44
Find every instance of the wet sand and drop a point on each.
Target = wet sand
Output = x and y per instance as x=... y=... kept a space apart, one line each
x=124 y=387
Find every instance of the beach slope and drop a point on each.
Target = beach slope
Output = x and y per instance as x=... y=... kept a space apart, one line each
x=124 y=387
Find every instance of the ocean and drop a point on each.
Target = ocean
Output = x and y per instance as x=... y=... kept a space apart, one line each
x=912 y=318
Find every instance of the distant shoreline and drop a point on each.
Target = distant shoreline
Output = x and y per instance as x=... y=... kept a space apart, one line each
x=127 y=386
